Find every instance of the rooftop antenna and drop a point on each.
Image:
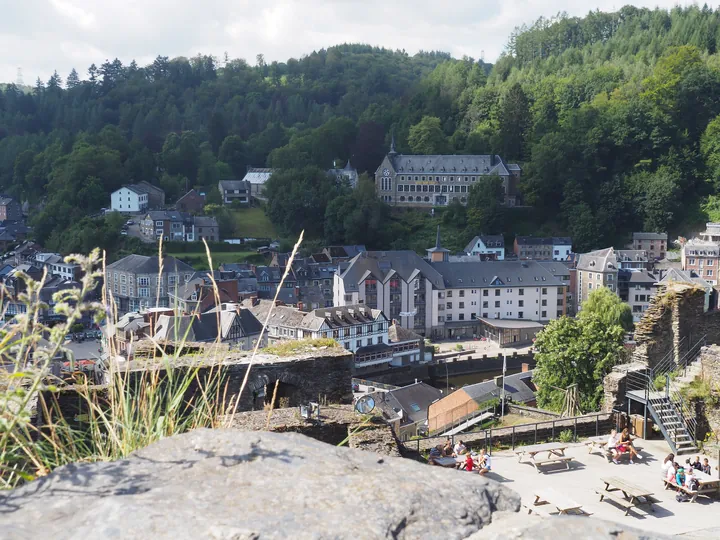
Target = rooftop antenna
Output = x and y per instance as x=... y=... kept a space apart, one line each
x=19 y=77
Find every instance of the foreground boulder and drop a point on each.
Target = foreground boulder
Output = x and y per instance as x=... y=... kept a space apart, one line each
x=239 y=485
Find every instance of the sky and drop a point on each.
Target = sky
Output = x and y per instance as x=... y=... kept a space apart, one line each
x=40 y=36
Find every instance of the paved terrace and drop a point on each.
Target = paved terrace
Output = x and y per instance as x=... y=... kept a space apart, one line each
x=693 y=520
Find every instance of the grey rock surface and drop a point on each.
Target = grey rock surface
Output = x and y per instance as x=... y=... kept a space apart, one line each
x=225 y=484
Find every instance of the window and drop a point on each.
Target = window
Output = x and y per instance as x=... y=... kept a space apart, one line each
x=143 y=282
x=521 y=292
x=358 y=343
x=544 y=291
x=559 y=302
x=449 y=294
x=485 y=292
x=462 y=316
x=462 y=293
x=544 y=302
x=610 y=277
x=544 y=315
x=497 y=292
x=462 y=305
x=508 y=302
x=122 y=279
x=448 y=305
x=691 y=261
x=521 y=303
x=497 y=304
x=485 y=304
x=485 y=315
x=589 y=286
x=143 y=292
x=708 y=272
x=520 y=314
x=448 y=317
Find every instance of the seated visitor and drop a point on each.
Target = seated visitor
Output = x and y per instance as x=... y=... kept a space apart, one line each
x=447 y=449
x=706 y=466
x=626 y=445
x=435 y=452
x=485 y=465
x=469 y=463
x=667 y=464
x=680 y=476
x=612 y=445
x=459 y=449
x=696 y=464
x=691 y=482
x=672 y=473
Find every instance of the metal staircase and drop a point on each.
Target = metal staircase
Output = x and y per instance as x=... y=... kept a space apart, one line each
x=671 y=413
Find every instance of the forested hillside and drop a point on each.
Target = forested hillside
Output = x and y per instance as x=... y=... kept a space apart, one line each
x=613 y=117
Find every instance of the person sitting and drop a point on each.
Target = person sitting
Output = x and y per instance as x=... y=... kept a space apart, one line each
x=447 y=450
x=612 y=446
x=680 y=476
x=706 y=466
x=485 y=465
x=667 y=464
x=459 y=449
x=469 y=462
x=435 y=452
x=626 y=445
x=672 y=473
x=691 y=481
x=696 y=464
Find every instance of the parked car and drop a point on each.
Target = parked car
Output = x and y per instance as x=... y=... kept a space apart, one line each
x=123 y=232
x=129 y=222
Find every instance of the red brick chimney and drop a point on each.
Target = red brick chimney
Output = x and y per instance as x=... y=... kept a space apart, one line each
x=525 y=367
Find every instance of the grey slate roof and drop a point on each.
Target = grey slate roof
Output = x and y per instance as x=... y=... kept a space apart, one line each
x=490 y=241
x=601 y=260
x=547 y=241
x=649 y=236
x=683 y=276
x=638 y=277
x=141 y=264
x=518 y=387
x=166 y=215
x=382 y=265
x=341 y=317
x=559 y=269
x=234 y=184
x=397 y=334
x=450 y=164
x=631 y=255
x=465 y=275
x=413 y=400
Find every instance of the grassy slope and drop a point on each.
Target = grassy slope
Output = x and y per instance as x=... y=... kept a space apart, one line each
x=253 y=223
x=199 y=260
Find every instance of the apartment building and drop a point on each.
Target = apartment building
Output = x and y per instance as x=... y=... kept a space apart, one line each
x=554 y=248
x=487 y=247
x=634 y=259
x=595 y=269
x=636 y=287
x=136 y=282
x=517 y=290
x=701 y=255
x=654 y=243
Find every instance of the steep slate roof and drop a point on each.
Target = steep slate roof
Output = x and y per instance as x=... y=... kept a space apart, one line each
x=518 y=387
x=233 y=184
x=281 y=315
x=559 y=269
x=465 y=275
x=638 y=277
x=189 y=193
x=682 y=276
x=602 y=260
x=490 y=241
x=397 y=334
x=341 y=317
x=204 y=327
x=450 y=164
x=383 y=265
x=631 y=255
x=166 y=215
x=413 y=400
x=649 y=236
x=205 y=221
x=141 y=264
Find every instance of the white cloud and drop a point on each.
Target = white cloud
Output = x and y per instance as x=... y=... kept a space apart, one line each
x=43 y=35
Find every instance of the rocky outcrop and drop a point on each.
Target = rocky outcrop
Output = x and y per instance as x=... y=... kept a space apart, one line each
x=230 y=484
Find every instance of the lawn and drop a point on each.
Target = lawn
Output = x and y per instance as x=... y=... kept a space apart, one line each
x=251 y=223
x=199 y=260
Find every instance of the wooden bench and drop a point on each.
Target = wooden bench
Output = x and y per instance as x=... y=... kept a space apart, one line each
x=546 y=461
x=538 y=510
x=671 y=485
x=619 y=500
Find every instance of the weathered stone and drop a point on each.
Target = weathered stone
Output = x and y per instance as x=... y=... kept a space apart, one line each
x=231 y=484
x=524 y=527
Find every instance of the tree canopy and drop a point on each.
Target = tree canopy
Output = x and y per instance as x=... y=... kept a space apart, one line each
x=606 y=306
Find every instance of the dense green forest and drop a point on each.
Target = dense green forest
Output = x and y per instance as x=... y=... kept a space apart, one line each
x=614 y=118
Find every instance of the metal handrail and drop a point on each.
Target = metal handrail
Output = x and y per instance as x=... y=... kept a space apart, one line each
x=667 y=363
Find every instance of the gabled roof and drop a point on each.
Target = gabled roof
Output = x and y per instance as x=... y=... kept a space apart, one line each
x=141 y=264
x=649 y=236
x=639 y=277
x=166 y=215
x=449 y=164
x=233 y=184
x=602 y=260
x=518 y=387
x=413 y=400
x=683 y=276
x=381 y=264
x=191 y=193
x=482 y=274
x=398 y=334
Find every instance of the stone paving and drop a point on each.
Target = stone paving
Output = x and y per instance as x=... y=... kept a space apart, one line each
x=695 y=520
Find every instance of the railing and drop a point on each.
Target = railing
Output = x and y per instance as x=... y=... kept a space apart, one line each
x=374 y=384
x=531 y=431
x=462 y=419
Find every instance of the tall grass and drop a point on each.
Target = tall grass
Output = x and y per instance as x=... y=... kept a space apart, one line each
x=125 y=405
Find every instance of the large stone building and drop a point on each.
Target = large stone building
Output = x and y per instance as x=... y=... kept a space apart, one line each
x=136 y=282
x=654 y=243
x=596 y=269
x=425 y=181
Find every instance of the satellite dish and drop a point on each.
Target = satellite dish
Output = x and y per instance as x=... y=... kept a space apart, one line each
x=365 y=404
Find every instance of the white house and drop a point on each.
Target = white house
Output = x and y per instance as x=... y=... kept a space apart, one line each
x=129 y=199
x=487 y=247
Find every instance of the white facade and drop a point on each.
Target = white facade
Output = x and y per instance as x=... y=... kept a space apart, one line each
x=481 y=249
x=506 y=302
x=561 y=252
x=128 y=201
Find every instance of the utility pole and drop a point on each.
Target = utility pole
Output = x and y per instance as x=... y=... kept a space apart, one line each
x=502 y=399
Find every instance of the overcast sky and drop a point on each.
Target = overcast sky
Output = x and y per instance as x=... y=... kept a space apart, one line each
x=42 y=35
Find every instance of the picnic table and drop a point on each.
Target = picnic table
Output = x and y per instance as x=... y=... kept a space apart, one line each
x=555 y=454
x=707 y=485
x=445 y=461
x=633 y=495
x=597 y=443
x=564 y=504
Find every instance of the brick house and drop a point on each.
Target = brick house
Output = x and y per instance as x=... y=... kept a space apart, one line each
x=654 y=243
x=176 y=226
x=192 y=202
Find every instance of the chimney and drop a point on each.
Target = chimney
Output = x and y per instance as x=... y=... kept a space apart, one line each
x=498 y=381
x=525 y=367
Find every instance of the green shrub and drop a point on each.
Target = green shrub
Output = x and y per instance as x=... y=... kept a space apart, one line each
x=566 y=436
